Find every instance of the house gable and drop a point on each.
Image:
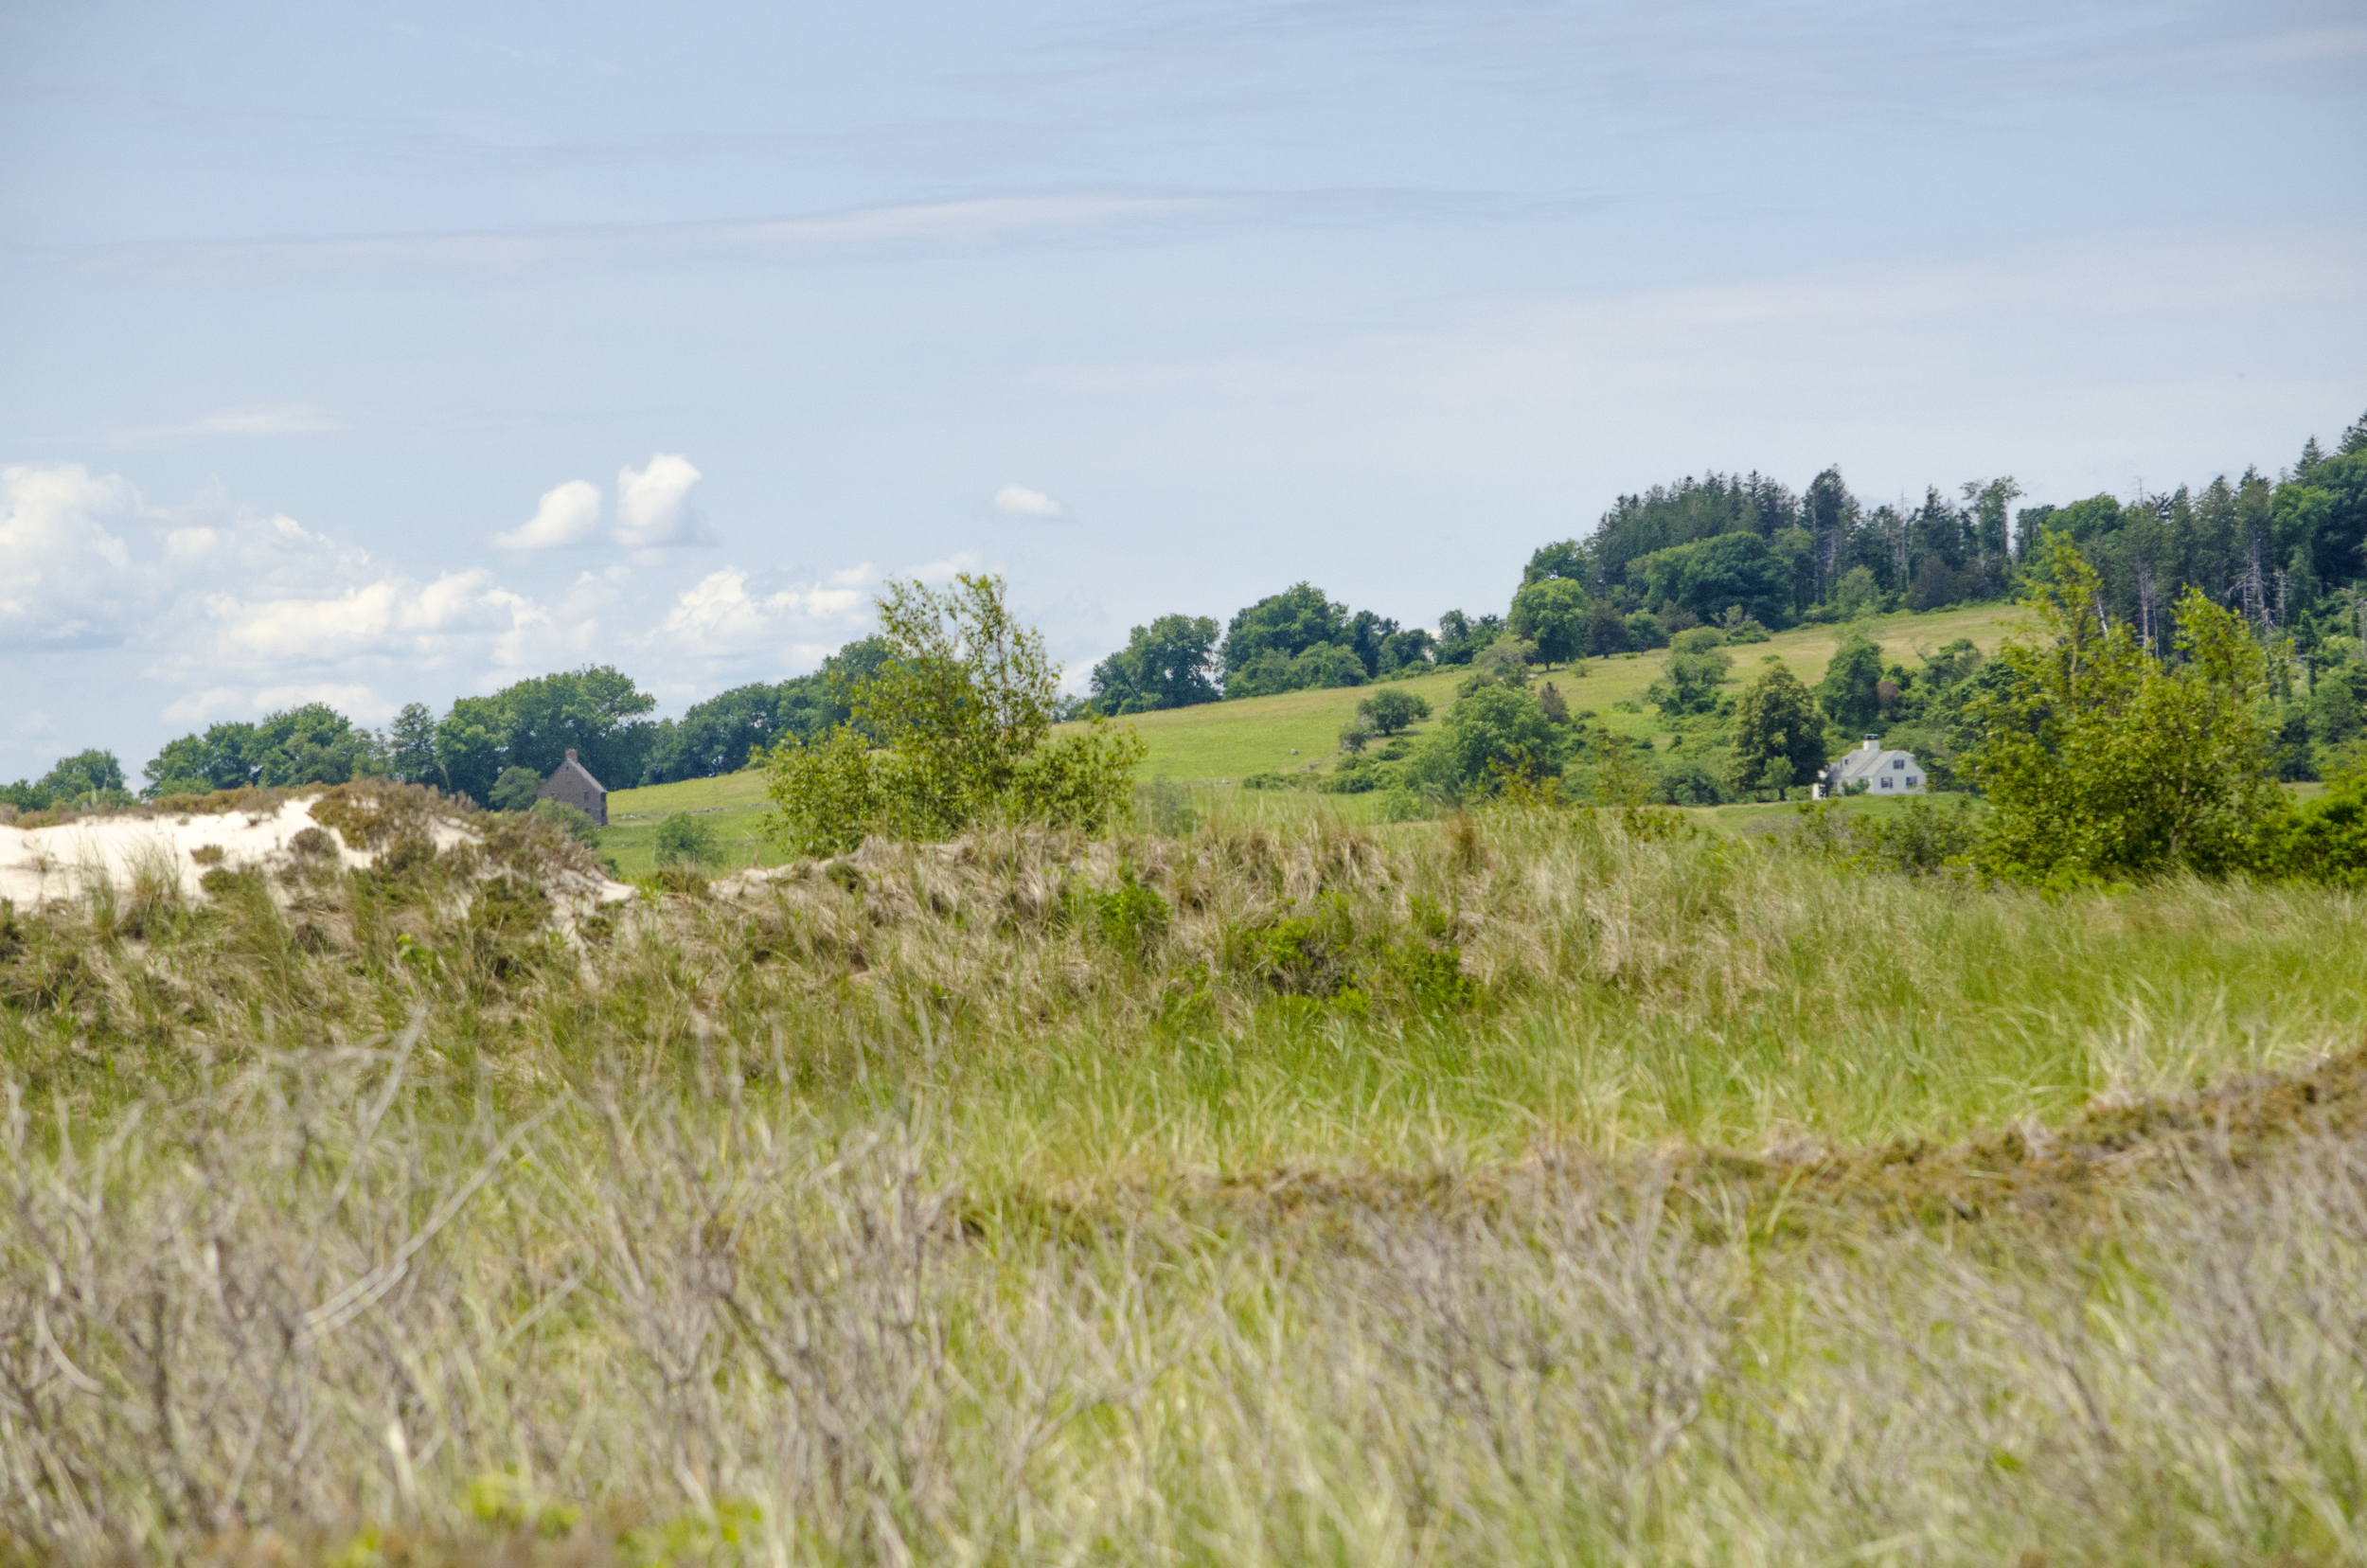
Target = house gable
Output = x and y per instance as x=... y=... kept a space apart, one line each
x=1881 y=770
x=572 y=784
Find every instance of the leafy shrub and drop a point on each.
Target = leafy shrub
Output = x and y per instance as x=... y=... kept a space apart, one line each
x=1914 y=837
x=1686 y=779
x=1388 y=712
x=576 y=825
x=2320 y=841
x=2104 y=762
x=962 y=708
x=1131 y=917
x=686 y=838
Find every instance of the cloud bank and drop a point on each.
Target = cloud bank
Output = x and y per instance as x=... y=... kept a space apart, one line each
x=65 y=582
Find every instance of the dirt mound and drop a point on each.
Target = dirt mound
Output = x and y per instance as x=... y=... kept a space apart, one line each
x=2066 y=1175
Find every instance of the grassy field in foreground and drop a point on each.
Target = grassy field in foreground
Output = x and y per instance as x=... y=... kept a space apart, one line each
x=1488 y=1190
x=1518 y=1188
x=1300 y=731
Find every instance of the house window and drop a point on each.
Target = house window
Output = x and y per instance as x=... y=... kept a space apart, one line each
x=1886 y=783
x=1900 y=763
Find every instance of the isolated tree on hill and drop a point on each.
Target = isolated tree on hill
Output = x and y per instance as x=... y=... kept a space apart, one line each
x=1393 y=710
x=1779 y=735
x=1552 y=613
x=962 y=710
x=1494 y=731
x=1689 y=682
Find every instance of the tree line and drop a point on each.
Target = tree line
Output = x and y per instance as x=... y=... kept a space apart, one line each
x=1734 y=555
x=1743 y=552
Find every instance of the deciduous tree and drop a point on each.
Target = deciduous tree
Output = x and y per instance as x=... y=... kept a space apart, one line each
x=1779 y=735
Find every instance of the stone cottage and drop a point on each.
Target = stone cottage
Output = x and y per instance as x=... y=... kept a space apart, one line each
x=1882 y=772
x=572 y=784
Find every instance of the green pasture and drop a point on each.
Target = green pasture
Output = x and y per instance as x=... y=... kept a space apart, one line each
x=1214 y=747
x=1301 y=729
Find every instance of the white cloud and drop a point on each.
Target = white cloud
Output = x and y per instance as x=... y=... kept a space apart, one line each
x=568 y=514
x=652 y=503
x=393 y=614
x=721 y=617
x=261 y=420
x=65 y=580
x=191 y=543
x=1018 y=501
x=281 y=420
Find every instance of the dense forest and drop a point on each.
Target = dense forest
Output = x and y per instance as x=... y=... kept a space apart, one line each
x=1730 y=557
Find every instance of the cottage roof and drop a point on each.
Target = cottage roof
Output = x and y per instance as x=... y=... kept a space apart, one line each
x=1866 y=763
x=571 y=771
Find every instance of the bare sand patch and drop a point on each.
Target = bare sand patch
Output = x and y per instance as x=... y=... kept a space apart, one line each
x=40 y=865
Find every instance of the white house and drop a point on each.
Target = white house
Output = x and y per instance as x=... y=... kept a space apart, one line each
x=1881 y=772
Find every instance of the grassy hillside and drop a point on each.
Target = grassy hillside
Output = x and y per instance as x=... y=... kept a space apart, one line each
x=1228 y=740
x=1222 y=743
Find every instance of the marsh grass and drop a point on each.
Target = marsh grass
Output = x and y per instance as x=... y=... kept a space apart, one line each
x=1539 y=1187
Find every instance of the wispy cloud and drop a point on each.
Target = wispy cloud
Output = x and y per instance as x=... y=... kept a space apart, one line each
x=791 y=238
x=255 y=420
x=901 y=228
x=1018 y=501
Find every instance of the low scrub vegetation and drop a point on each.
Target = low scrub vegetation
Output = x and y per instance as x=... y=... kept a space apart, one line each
x=1534 y=1184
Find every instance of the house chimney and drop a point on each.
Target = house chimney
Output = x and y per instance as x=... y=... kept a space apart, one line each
x=1867 y=744
x=571 y=752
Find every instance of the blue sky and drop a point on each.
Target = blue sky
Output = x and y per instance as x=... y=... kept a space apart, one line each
x=388 y=352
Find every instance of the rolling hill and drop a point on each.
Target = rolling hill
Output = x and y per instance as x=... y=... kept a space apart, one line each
x=1214 y=747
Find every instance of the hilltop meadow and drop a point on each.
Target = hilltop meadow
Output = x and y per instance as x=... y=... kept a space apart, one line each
x=1211 y=747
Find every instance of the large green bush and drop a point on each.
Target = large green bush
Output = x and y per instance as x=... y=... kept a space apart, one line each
x=2102 y=761
x=962 y=712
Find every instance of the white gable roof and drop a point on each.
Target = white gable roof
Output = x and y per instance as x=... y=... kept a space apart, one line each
x=1865 y=763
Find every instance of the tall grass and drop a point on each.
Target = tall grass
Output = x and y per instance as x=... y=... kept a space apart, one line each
x=1542 y=1188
